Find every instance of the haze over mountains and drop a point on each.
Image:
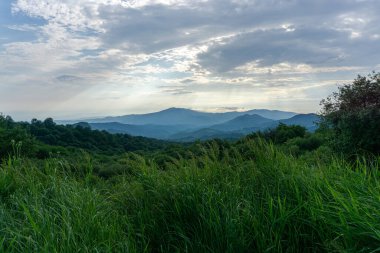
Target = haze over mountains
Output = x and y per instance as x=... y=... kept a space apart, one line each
x=188 y=125
x=181 y=116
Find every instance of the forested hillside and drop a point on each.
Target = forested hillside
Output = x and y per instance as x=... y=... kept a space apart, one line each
x=41 y=137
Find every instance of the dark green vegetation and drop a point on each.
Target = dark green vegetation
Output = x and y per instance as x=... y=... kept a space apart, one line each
x=71 y=189
x=353 y=113
x=39 y=138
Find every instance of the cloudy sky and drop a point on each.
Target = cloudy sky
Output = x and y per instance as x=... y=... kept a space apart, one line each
x=79 y=58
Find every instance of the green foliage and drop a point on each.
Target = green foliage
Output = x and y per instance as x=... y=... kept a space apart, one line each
x=43 y=139
x=282 y=190
x=353 y=113
x=14 y=139
x=92 y=140
x=48 y=212
x=282 y=133
x=300 y=145
x=219 y=200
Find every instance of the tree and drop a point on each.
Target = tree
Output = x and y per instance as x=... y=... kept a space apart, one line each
x=12 y=134
x=49 y=123
x=353 y=115
x=282 y=133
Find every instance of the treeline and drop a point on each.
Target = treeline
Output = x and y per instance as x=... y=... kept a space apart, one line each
x=110 y=153
x=39 y=138
x=350 y=126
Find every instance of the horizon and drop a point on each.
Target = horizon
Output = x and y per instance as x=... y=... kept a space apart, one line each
x=82 y=59
x=156 y=111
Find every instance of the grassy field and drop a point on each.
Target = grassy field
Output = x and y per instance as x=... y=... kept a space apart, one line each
x=252 y=198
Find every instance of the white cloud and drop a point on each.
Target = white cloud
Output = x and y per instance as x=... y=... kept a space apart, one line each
x=241 y=53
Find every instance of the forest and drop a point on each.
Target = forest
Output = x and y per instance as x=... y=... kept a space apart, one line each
x=67 y=188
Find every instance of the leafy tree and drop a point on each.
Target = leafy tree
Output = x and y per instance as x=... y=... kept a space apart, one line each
x=353 y=115
x=13 y=134
x=49 y=123
x=282 y=133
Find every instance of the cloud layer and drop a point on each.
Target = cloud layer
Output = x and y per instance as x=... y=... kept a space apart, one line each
x=76 y=58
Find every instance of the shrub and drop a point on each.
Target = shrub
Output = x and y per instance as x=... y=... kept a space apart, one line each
x=353 y=113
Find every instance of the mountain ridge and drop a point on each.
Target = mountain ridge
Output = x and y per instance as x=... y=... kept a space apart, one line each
x=309 y=121
x=186 y=124
x=184 y=116
x=241 y=122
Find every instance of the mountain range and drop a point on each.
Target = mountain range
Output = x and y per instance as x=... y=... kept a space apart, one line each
x=188 y=125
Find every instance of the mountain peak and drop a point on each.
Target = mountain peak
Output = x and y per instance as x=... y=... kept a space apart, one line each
x=243 y=121
x=193 y=118
x=175 y=109
x=250 y=116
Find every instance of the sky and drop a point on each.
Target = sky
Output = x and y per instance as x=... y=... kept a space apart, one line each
x=83 y=58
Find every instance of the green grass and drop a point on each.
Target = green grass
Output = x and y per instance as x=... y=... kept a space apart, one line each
x=250 y=198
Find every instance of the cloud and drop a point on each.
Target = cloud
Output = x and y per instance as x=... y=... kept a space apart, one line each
x=187 y=80
x=152 y=28
x=233 y=52
x=269 y=47
x=312 y=46
x=75 y=15
x=23 y=27
x=178 y=92
x=68 y=78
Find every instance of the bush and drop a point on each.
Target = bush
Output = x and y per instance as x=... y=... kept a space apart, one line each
x=309 y=143
x=14 y=138
x=283 y=133
x=353 y=114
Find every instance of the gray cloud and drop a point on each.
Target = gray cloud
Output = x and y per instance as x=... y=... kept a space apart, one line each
x=268 y=47
x=222 y=52
x=158 y=27
x=175 y=89
x=317 y=33
x=68 y=78
x=187 y=81
x=321 y=46
x=152 y=28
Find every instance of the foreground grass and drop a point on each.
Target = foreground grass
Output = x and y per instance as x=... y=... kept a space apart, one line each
x=248 y=199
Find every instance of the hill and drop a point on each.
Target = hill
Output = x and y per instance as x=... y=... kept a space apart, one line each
x=181 y=116
x=309 y=121
x=169 y=117
x=271 y=114
x=177 y=122
x=40 y=137
x=242 y=122
x=188 y=125
x=244 y=125
x=205 y=134
x=150 y=131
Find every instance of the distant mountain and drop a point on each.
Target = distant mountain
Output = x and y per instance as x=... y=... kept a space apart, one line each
x=232 y=130
x=152 y=131
x=188 y=125
x=244 y=121
x=205 y=134
x=181 y=116
x=309 y=121
x=271 y=114
x=171 y=116
x=82 y=124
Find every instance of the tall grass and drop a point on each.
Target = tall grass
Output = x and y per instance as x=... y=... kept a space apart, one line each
x=251 y=198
